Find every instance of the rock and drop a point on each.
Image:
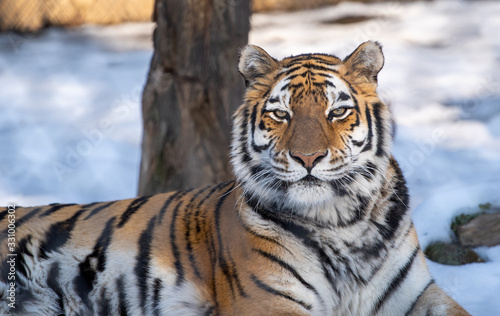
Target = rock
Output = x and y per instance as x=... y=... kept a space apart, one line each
x=451 y=254
x=483 y=230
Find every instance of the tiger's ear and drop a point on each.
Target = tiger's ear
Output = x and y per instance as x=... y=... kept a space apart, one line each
x=366 y=61
x=255 y=62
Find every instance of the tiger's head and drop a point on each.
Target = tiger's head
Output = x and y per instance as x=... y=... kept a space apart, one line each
x=312 y=136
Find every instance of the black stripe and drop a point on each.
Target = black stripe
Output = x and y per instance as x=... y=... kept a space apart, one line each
x=401 y=194
x=104 y=305
x=290 y=78
x=84 y=282
x=353 y=91
x=98 y=209
x=393 y=218
x=295 y=85
x=228 y=268
x=346 y=262
x=273 y=100
x=316 y=57
x=122 y=299
x=21 y=266
x=321 y=85
x=418 y=298
x=368 y=145
x=21 y=221
x=343 y=96
x=358 y=143
x=355 y=124
x=164 y=208
x=302 y=234
x=53 y=284
x=58 y=234
x=143 y=259
x=299 y=60
x=359 y=211
x=157 y=287
x=338 y=185
x=323 y=74
x=330 y=84
x=3 y=214
x=216 y=188
x=27 y=217
x=286 y=266
x=256 y=169
x=55 y=208
x=253 y=119
x=317 y=67
x=287 y=73
x=329 y=64
x=187 y=225
x=266 y=238
x=87 y=269
x=266 y=94
x=299 y=94
x=134 y=206
x=259 y=84
x=175 y=249
x=369 y=252
x=400 y=200
x=235 y=276
x=89 y=205
x=379 y=123
x=210 y=244
x=270 y=290
x=269 y=128
x=245 y=154
x=396 y=282
x=223 y=265
x=369 y=171
x=356 y=105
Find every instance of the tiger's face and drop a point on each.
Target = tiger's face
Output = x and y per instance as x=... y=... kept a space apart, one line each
x=311 y=130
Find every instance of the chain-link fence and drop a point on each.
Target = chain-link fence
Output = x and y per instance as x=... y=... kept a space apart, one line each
x=31 y=15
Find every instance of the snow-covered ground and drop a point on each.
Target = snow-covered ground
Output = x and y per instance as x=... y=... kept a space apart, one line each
x=70 y=119
x=70 y=123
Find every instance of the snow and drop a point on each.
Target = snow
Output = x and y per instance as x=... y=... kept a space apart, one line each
x=70 y=127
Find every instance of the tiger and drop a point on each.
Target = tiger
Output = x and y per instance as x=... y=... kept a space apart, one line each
x=316 y=221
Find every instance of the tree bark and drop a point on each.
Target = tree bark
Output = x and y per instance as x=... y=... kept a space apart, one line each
x=192 y=90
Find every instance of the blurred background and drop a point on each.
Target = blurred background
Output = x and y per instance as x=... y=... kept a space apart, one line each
x=73 y=102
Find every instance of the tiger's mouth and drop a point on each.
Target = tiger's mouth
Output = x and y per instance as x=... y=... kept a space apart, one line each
x=310 y=181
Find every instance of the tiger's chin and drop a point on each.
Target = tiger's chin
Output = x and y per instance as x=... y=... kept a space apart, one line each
x=309 y=192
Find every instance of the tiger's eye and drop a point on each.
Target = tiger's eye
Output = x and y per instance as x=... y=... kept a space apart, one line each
x=338 y=112
x=280 y=114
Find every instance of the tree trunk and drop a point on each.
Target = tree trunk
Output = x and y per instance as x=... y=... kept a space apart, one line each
x=192 y=90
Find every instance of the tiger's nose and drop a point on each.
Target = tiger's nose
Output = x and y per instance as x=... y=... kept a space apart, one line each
x=308 y=161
